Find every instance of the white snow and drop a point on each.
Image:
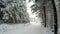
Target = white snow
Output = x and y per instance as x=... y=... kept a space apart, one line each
x=23 y=29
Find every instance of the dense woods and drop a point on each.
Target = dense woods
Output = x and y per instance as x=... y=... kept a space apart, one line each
x=14 y=11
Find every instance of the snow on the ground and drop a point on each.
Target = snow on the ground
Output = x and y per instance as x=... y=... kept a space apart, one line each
x=23 y=29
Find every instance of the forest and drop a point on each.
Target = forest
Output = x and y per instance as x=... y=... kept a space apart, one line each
x=13 y=11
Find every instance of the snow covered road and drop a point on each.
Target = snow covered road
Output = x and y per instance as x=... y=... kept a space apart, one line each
x=23 y=29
